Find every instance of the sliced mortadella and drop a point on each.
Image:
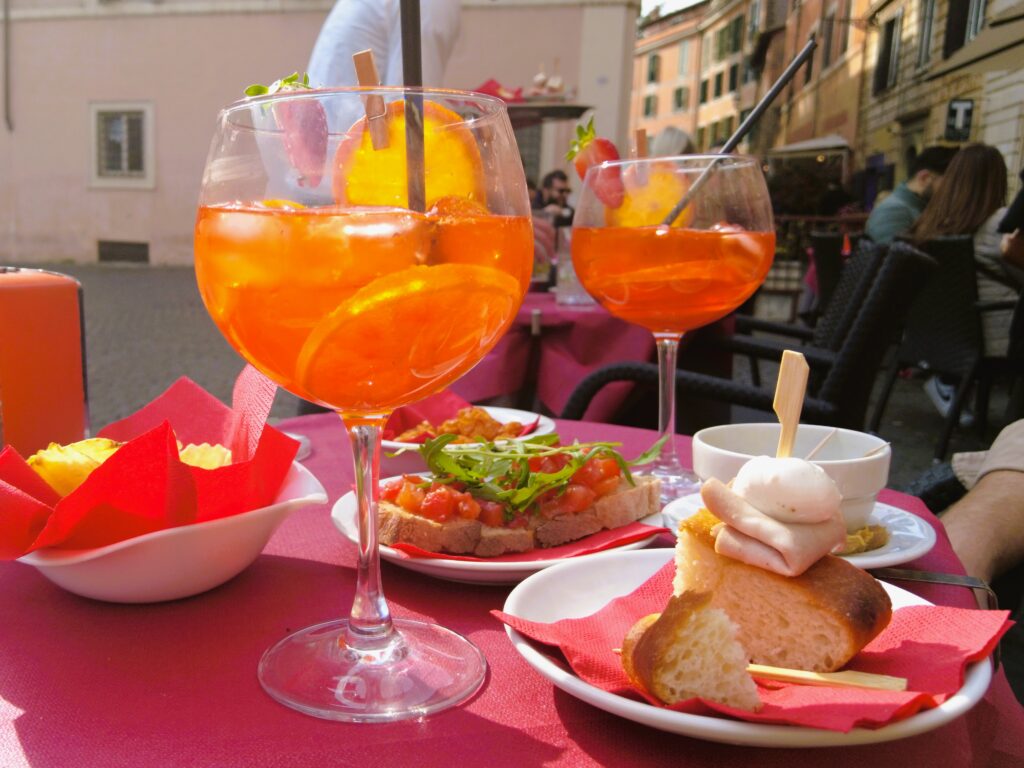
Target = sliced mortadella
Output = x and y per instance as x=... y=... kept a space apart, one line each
x=757 y=539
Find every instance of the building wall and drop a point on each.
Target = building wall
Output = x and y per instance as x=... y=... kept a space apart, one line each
x=188 y=58
x=912 y=113
x=673 y=40
x=719 y=115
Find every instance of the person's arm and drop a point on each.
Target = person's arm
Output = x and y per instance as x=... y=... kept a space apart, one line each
x=1012 y=248
x=986 y=527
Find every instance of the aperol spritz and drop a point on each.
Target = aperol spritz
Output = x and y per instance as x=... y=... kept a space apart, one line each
x=320 y=272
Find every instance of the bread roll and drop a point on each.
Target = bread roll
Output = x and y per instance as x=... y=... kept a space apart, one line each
x=689 y=650
x=817 y=621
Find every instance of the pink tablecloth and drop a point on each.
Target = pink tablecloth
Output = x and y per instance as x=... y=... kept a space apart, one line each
x=573 y=340
x=93 y=685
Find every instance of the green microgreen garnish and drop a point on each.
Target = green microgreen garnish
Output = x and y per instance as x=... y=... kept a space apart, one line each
x=501 y=472
x=291 y=83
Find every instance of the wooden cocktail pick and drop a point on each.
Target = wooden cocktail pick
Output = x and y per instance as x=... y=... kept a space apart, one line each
x=846 y=678
x=376 y=112
x=789 y=399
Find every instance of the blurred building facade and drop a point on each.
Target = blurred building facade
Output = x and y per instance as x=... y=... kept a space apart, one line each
x=108 y=106
x=888 y=78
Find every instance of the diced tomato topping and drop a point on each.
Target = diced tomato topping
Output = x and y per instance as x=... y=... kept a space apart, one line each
x=576 y=498
x=389 y=490
x=601 y=475
x=492 y=513
x=466 y=506
x=410 y=497
x=548 y=464
x=605 y=486
x=519 y=521
x=438 y=503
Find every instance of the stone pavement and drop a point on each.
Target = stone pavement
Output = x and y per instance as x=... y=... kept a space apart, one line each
x=146 y=326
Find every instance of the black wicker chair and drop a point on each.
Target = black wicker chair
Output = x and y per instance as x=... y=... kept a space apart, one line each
x=829 y=255
x=849 y=372
x=855 y=277
x=943 y=330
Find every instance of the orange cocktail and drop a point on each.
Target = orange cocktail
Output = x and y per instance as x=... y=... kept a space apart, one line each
x=671 y=280
x=364 y=268
x=672 y=244
x=362 y=309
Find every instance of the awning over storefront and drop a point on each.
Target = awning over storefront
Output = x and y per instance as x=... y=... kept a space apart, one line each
x=827 y=145
x=1000 y=46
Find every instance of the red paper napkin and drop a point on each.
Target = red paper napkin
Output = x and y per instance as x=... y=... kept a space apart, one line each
x=929 y=645
x=144 y=486
x=595 y=542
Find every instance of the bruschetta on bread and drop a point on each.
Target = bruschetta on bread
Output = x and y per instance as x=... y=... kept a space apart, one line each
x=505 y=498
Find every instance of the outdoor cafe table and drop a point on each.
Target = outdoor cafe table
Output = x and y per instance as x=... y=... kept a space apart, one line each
x=96 y=685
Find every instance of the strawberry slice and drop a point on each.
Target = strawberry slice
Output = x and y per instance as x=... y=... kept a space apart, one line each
x=304 y=123
x=589 y=149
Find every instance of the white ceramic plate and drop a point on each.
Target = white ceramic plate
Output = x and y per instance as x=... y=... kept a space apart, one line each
x=343 y=515
x=910 y=537
x=176 y=562
x=580 y=588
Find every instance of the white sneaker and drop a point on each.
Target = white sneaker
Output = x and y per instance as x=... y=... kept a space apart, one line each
x=941 y=396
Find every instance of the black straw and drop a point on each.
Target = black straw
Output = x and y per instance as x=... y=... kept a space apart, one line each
x=806 y=52
x=412 y=75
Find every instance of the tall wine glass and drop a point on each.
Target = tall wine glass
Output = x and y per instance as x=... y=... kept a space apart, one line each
x=319 y=272
x=673 y=276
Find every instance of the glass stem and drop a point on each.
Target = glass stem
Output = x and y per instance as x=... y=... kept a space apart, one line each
x=369 y=625
x=668 y=347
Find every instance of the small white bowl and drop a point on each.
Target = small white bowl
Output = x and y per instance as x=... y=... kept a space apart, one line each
x=410 y=462
x=176 y=562
x=720 y=451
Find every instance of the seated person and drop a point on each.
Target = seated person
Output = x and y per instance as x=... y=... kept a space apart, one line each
x=553 y=198
x=897 y=213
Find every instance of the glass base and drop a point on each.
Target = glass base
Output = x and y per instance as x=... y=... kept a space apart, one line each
x=676 y=482
x=424 y=669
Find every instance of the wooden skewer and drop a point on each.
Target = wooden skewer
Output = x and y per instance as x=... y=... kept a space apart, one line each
x=376 y=112
x=847 y=678
x=789 y=399
x=879 y=449
x=814 y=451
x=640 y=142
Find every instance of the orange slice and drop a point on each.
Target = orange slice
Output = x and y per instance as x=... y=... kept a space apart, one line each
x=365 y=176
x=406 y=334
x=652 y=191
x=280 y=204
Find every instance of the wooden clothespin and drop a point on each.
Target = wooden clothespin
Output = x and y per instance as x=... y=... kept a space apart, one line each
x=376 y=110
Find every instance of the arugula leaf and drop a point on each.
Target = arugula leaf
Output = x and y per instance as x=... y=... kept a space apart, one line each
x=501 y=471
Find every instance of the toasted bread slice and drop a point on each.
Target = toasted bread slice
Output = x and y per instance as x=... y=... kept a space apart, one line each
x=470 y=537
x=817 y=621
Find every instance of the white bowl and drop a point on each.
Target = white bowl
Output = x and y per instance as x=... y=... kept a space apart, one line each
x=410 y=462
x=176 y=562
x=720 y=451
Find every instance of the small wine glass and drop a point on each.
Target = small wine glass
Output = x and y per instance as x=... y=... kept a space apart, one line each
x=363 y=271
x=669 y=271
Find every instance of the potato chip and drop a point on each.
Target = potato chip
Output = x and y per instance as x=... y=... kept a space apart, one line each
x=204 y=455
x=65 y=467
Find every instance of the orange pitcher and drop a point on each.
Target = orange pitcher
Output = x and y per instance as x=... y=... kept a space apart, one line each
x=42 y=386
